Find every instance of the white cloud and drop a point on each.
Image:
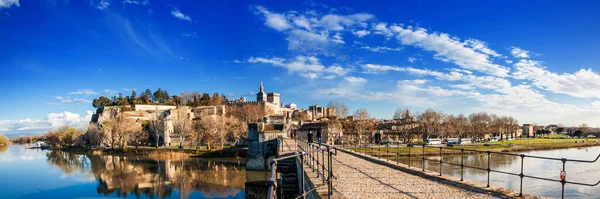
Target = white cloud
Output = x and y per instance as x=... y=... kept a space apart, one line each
x=9 y=3
x=108 y=91
x=413 y=82
x=337 y=38
x=305 y=66
x=128 y=89
x=412 y=59
x=313 y=33
x=68 y=100
x=191 y=35
x=519 y=53
x=275 y=20
x=382 y=29
x=136 y=2
x=381 y=48
x=508 y=61
x=103 y=4
x=481 y=46
x=584 y=83
x=53 y=120
x=361 y=33
x=355 y=80
x=83 y=92
x=471 y=54
x=180 y=15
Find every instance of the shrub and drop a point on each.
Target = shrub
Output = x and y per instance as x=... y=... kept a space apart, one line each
x=4 y=140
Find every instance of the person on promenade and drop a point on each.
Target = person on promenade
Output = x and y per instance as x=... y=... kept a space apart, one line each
x=319 y=138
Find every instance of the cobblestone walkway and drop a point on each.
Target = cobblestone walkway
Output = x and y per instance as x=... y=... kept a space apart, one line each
x=359 y=178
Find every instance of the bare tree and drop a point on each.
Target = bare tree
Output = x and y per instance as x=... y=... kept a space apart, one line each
x=236 y=129
x=430 y=120
x=248 y=112
x=156 y=126
x=362 y=122
x=121 y=129
x=398 y=114
x=94 y=135
x=207 y=128
x=340 y=109
x=480 y=123
x=462 y=125
x=182 y=124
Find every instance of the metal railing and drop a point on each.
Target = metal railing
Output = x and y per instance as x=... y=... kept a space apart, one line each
x=488 y=169
x=311 y=151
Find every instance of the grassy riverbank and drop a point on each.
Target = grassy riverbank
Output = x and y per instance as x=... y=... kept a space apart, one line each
x=504 y=146
x=202 y=152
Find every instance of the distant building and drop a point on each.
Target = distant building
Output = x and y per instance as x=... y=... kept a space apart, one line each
x=528 y=130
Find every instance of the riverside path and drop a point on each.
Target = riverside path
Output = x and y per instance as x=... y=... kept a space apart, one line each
x=357 y=177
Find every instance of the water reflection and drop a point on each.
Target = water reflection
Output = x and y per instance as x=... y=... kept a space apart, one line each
x=576 y=172
x=143 y=176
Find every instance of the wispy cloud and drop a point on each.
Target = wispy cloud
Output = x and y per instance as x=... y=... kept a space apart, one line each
x=191 y=35
x=83 y=92
x=9 y=3
x=103 y=4
x=136 y=2
x=519 y=53
x=108 y=91
x=180 y=15
x=306 y=66
x=68 y=100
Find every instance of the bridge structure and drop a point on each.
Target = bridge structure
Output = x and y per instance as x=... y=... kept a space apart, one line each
x=335 y=172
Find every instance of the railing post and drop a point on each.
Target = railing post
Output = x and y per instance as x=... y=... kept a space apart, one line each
x=423 y=157
x=462 y=165
x=302 y=175
x=441 y=161
x=378 y=152
x=330 y=178
x=563 y=180
x=387 y=153
x=521 y=175
x=323 y=164
x=408 y=155
x=488 y=169
x=317 y=154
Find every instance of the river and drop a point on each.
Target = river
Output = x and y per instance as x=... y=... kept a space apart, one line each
x=588 y=173
x=57 y=174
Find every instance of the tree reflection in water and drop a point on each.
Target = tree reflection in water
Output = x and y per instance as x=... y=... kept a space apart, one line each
x=140 y=175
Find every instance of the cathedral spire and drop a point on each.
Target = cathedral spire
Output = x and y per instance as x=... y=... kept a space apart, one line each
x=262 y=89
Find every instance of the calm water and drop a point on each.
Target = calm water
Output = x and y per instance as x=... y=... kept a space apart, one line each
x=56 y=174
x=578 y=172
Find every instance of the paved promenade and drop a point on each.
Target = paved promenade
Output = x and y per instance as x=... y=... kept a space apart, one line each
x=359 y=178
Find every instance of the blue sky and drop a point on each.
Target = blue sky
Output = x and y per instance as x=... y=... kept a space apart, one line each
x=534 y=60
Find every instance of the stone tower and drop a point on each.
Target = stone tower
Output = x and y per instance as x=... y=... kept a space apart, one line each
x=261 y=96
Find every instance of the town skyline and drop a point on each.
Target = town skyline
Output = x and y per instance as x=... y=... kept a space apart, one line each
x=311 y=52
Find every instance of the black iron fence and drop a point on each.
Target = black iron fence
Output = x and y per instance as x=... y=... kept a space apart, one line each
x=377 y=153
x=306 y=153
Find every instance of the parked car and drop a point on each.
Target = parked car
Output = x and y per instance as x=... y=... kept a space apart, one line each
x=493 y=139
x=452 y=141
x=433 y=141
x=462 y=141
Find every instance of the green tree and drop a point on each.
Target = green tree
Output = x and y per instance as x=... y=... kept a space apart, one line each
x=578 y=133
x=205 y=99
x=157 y=95
x=101 y=102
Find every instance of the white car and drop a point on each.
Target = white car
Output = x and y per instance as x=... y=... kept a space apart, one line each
x=433 y=141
